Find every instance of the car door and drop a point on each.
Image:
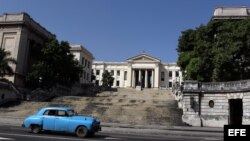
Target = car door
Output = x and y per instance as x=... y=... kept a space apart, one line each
x=62 y=121
x=49 y=119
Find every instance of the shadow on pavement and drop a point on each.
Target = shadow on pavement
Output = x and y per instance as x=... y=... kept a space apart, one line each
x=96 y=136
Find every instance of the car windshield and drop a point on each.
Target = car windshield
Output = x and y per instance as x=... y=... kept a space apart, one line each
x=72 y=113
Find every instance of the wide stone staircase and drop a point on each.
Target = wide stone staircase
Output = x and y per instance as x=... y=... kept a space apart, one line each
x=129 y=106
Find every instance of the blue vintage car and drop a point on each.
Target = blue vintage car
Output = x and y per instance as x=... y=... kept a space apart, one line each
x=62 y=119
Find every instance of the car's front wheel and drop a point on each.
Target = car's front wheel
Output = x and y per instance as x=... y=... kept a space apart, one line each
x=82 y=131
x=35 y=129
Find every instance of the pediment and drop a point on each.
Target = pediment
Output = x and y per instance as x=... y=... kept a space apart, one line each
x=143 y=58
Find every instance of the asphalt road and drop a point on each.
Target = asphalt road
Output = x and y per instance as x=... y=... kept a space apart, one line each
x=8 y=133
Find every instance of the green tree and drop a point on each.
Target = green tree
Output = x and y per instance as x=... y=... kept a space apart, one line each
x=5 y=61
x=107 y=79
x=56 y=65
x=218 y=51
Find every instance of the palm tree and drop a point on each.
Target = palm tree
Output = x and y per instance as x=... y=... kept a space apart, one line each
x=5 y=61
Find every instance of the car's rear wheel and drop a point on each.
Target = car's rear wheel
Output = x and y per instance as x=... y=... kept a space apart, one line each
x=82 y=131
x=35 y=129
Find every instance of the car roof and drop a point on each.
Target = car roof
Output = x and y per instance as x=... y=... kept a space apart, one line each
x=58 y=108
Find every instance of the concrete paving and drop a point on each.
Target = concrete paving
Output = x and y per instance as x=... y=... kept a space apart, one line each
x=137 y=129
x=115 y=134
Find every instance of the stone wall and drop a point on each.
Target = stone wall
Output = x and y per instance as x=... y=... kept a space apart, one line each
x=207 y=104
x=8 y=92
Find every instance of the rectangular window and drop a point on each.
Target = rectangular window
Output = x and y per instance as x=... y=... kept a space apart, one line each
x=117 y=83
x=162 y=76
x=97 y=82
x=97 y=72
x=118 y=72
x=125 y=75
x=88 y=64
x=170 y=84
x=84 y=75
x=112 y=72
x=87 y=76
x=86 y=61
x=61 y=113
x=177 y=73
x=83 y=60
x=170 y=73
x=50 y=113
x=9 y=41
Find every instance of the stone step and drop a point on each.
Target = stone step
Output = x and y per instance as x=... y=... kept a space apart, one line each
x=136 y=107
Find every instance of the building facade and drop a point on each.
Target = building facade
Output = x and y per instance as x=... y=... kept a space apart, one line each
x=231 y=13
x=85 y=59
x=215 y=104
x=142 y=70
x=22 y=37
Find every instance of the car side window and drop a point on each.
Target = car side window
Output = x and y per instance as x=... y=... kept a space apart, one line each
x=50 y=113
x=62 y=113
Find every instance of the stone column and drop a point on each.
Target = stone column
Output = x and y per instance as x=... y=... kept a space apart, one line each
x=122 y=72
x=156 y=78
x=128 y=82
x=146 y=79
x=115 y=77
x=133 y=78
x=152 y=80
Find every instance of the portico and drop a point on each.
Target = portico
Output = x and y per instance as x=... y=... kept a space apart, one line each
x=143 y=78
x=144 y=69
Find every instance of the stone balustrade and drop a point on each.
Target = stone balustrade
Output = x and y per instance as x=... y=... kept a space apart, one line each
x=242 y=85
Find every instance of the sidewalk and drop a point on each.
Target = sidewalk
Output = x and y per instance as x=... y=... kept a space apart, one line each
x=17 y=121
x=164 y=130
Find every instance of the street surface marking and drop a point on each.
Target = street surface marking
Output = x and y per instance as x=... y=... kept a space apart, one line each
x=213 y=139
x=109 y=138
x=1 y=138
x=59 y=138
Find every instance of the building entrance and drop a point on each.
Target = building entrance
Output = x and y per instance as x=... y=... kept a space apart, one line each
x=235 y=112
x=143 y=78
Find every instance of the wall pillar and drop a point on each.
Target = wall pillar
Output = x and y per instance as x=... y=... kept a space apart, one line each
x=129 y=76
x=133 y=78
x=146 y=79
x=152 y=80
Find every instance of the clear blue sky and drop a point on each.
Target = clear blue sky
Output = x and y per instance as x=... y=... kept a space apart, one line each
x=115 y=30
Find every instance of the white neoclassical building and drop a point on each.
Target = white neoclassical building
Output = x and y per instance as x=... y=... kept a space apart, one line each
x=141 y=70
x=85 y=58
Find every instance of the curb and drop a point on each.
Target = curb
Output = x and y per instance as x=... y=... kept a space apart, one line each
x=160 y=127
